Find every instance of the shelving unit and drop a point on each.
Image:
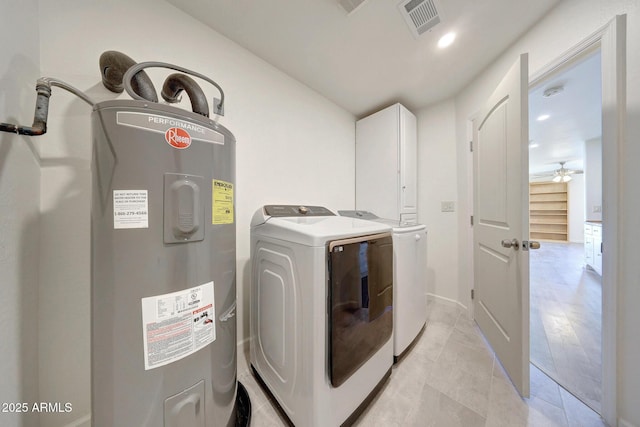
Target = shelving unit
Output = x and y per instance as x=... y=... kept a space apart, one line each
x=548 y=211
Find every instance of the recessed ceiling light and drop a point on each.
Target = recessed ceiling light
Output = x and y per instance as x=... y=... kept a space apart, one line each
x=446 y=40
x=543 y=117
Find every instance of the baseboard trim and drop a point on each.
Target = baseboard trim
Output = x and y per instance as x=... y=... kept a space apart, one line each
x=448 y=301
x=85 y=420
x=244 y=343
x=624 y=423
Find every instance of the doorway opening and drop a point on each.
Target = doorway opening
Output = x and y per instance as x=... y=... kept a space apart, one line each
x=610 y=41
x=565 y=202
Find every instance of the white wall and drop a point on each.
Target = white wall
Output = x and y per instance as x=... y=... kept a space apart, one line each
x=576 y=189
x=293 y=146
x=437 y=182
x=593 y=178
x=19 y=206
x=565 y=26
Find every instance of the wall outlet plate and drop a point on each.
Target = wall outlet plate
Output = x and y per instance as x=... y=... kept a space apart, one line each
x=448 y=206
x=597 y=208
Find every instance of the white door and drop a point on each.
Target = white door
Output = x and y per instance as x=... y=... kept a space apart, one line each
x=501 y=223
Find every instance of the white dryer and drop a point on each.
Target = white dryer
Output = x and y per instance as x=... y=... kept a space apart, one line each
x=321 y=311
x=410 y=278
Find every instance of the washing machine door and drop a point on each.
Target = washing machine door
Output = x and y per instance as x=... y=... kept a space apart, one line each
x=361 y=301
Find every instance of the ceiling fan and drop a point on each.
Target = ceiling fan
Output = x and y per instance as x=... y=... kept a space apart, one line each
x=559 y=175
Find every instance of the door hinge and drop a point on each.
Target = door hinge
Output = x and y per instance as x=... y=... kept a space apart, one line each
x=471 y=146
x=471 y=219
x=472 y=294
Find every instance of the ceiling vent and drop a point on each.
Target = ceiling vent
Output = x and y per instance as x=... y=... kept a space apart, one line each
x=421 y=15
x=351 y=5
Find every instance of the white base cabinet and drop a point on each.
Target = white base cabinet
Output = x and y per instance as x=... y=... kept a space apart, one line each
x=593 y=246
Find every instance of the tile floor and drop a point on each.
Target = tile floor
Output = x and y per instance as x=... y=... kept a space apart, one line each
x=450 y=378
x=566 y=318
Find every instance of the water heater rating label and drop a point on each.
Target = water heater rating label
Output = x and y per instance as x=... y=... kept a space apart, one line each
x=130 y=209
x=178 y=324
x=222 y=202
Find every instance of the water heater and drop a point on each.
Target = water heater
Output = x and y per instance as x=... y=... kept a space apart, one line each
x=163 y=267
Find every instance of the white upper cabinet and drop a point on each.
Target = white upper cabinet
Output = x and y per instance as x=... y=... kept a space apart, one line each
x=386 y=144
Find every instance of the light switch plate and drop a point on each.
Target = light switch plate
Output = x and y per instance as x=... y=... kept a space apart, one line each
x=448 y=206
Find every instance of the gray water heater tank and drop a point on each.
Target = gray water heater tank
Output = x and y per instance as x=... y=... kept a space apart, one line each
x=163 y=276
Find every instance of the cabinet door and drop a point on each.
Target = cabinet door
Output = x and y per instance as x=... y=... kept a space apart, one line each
x=588 y=245
x=377 y=163
x=588 y=250
x=408 y=166
x=597 y=249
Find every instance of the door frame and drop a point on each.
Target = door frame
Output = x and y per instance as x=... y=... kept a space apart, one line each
x=611 y=40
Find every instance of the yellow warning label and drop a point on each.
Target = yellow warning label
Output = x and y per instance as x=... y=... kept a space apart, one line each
x=222 y=202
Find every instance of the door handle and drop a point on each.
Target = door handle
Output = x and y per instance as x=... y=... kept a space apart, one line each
x=530 y=244
x=513 y=243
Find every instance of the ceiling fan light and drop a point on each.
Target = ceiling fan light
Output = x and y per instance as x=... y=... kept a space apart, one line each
x=553 y=91
x=566 y=178
x=557 y=178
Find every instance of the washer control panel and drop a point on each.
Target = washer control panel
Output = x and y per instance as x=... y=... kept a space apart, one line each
x=296 y=210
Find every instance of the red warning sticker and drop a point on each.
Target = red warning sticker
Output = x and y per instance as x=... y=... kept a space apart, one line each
x=178 y=138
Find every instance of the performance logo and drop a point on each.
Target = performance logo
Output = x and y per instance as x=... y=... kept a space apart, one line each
x=178 y=138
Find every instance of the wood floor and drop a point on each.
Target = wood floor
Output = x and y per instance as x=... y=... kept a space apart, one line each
x=566 y=318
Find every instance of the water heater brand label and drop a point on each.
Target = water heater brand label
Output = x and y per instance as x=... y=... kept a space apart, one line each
x=130 y=209
x=167 y=125
x=177 y=138
x=178 y=324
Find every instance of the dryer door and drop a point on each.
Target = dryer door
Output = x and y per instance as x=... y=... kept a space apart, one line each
x=361 y=301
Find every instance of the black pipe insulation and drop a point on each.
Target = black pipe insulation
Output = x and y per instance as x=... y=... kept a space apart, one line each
x=218 y=107
x=43 y=89
x=176 y=83
x=114 y=64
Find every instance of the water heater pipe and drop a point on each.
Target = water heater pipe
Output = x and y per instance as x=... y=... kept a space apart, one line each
x=114 y=64
x=218 y=108
x=43 y=88
x=176 y=83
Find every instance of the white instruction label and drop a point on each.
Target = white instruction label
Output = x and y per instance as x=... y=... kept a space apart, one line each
x=178 y=324
x=130 y=209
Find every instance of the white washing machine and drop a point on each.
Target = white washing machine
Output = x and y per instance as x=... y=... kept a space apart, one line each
x=410 y=279
x=321 y=311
